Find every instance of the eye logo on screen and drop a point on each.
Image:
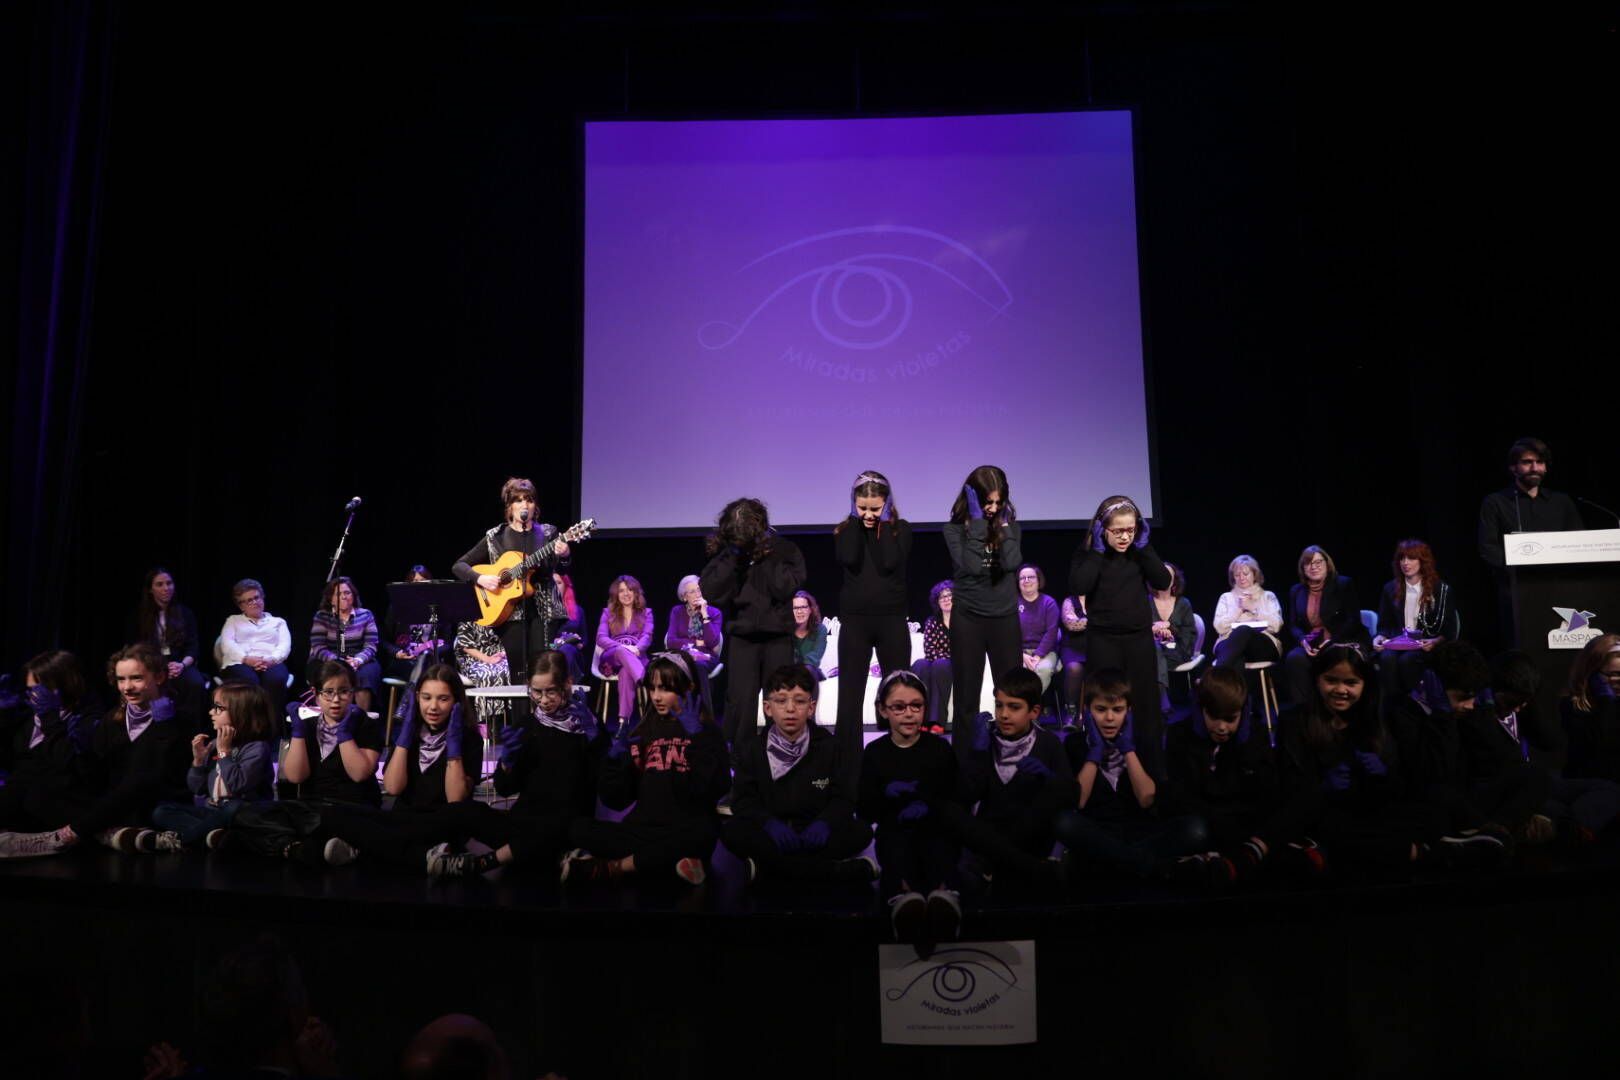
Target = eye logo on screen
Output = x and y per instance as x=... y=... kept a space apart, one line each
x=861 y=289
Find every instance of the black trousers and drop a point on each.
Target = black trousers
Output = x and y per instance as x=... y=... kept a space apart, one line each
x=1376 y=833
x=916 y=856
x=657 y=848
x=858 y=636
x=39 y=803
x=936 y=675
x=746 y=838
x=533 y=838
x=1135 y=654
x=397 y=838
x=1021 y=853
x=748 y=661
x=522 y=640
x=973 y=637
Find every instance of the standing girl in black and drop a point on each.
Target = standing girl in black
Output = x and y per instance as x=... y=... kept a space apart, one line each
x=752 y=575
x=983 y=538
x=872 y=546
x=1113 y=570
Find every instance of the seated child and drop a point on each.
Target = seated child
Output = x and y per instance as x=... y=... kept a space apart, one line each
x=1216 y=770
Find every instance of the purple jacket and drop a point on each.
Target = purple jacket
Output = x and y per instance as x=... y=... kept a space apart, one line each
x=1039 y=623
x=639 y=633
x=679 y=636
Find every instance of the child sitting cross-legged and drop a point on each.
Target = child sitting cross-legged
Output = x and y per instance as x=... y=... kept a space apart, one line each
x=793 y=813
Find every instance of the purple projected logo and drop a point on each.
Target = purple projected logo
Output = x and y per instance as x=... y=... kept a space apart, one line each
x=859 y=295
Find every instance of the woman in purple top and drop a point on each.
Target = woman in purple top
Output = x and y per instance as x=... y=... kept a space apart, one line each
x=694 y=626
x=624 y=636
x=1038 y=624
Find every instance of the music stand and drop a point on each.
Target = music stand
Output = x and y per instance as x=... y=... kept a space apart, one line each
x=433 y=602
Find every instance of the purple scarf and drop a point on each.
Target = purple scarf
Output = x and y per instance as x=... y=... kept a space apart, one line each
x=430 y=745
x=137 y=718
x=574 y=719
x=1009 y=752
x=783 y=753
x=326 y=735
x=1113 y=766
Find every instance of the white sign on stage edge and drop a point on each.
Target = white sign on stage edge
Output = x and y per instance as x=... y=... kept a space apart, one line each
x=969 y=993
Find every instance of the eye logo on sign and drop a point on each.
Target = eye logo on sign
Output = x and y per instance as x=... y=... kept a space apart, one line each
x=952 y=976
x=862 y=283
x=1574 y=630
x=1530 y=548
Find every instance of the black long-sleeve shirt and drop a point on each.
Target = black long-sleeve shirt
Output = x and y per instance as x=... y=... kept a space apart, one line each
x=874 y=567
x=929 y=762
x=1337 y=611
x=1231 y=779
x=757 y=596
x=815 y=789
x=1511 y=510
x=503 y=538
x=1026 y=803
x=1115 y=586
x=554 y=772
x=1594 y=738
x=669 y=775
x=424 y=790
x=984 y=582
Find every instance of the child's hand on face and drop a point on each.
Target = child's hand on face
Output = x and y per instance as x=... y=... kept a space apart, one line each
x=199 y=750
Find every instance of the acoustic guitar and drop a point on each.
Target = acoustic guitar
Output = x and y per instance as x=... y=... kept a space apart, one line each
x=514 y=571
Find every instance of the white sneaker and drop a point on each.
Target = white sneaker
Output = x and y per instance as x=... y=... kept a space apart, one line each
x=126 y=838
x=168 y=840
x=339 y=852
x=19 y=845
x=215 y=839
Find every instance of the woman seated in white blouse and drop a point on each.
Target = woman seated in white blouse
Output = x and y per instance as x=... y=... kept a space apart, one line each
x=254 y=645
x=1247 y=617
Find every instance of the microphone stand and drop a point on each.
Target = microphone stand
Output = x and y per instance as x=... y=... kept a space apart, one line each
x=337 y=555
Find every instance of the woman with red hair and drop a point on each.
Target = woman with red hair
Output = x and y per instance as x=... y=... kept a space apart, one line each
x=1416 y=611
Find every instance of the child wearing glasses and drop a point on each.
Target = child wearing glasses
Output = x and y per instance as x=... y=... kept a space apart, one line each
x=1112 y=569
x=793 y=810
x=227 y=772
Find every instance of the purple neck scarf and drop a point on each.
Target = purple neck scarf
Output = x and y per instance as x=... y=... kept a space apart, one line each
x=430 y=745
x=137 y=718
x=783 y=753
x=1009 y=752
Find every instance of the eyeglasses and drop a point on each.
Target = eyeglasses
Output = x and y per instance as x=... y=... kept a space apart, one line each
x=249 y=601
x=548 y=692
x=1121 y=534
x=783 y=701
x=335 y=695
x=217 y=707
x=905 y=706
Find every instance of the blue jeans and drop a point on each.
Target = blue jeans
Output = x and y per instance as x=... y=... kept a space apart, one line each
x=194 y=822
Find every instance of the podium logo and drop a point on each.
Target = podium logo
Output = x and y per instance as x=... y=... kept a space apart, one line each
x=1530 y=548
x=1575 y=629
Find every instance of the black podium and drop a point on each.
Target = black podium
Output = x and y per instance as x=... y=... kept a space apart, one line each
x=1566 y=591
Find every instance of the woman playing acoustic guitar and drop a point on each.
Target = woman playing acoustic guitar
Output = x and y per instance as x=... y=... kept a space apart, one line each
x=530 y=627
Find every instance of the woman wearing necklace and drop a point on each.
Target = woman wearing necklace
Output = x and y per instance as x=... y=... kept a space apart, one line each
x=1174 y=629
x=1247 y=617
x=1321 y=610
x=346 y=632
x=1415 y=613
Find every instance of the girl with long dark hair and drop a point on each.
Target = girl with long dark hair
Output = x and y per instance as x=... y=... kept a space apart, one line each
x=984 y=540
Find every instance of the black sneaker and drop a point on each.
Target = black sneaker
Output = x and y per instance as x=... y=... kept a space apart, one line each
x=944 y=915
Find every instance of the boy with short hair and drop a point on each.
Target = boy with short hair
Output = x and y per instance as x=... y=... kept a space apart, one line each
x=792 y=807
x=1216 y=770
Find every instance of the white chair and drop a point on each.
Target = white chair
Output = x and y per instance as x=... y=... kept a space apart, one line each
x=1198 y=657
x=1269 y=707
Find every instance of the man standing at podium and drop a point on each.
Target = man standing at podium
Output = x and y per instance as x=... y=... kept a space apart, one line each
x=1524 y=506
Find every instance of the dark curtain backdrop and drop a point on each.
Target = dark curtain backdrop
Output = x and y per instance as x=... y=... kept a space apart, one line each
x=266 y=262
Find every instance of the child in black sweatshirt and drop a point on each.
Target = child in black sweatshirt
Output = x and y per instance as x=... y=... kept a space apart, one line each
x=908 y=777
x=1117 y=825
x=45 y=736
x=984 y=539
x=1017 y=775
x=1216 y=771
x=793 y=811
x=670 y=766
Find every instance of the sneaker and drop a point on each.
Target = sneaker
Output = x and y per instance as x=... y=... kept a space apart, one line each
x=443 y=863
x=126 y=839
x=18 y=845
x=944 y=915
x=1306 y=858
x=864 y=867
x=168 y=840
x=576 y=866
x=217 y=838
x=752 y=867
x=691 y=871
x=339 y=852
x=1468 y=852
x=723 y=807
x=1539 y=830
x=908 y=914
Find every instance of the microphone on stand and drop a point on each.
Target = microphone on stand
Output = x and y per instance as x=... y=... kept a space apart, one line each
x=352 y=505
x=1599 y=506
x=524 y=515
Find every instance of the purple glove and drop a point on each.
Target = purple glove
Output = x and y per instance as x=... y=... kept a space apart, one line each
x=346 y=726
x=295 y=716
x=162 y=709
x=913 y=811
x=973 y=507
x=629 y=735
x=898 y=789
x=690 y=716
x=1032 y=766
x=509 y=743
x=1096 y=747
x=1337 y=778
x=46 y=702
x=405 y=730
x=9 y=698
x=782 y=835
x=981 y=731
x=1125 y=741
x=816 y=836
x=455 y=741
x=1599 y=688
x=1371 y=763
x=888 y=510
x=79 y=730
x=1485 y=699
x=1432 y=692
